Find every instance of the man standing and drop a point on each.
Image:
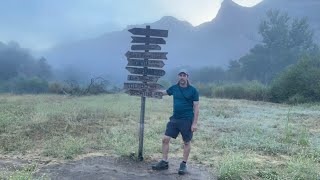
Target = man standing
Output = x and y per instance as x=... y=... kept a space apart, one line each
x=184 y=119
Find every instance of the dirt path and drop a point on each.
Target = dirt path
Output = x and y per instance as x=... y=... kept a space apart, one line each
x=102 y=167
x=110 y=168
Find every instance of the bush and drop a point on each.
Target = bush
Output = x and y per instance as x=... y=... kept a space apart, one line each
x=69 y=87
x=300 y=83
x=56 y=88
x=96 y=89
x=232 y=91
x=97 y=86
x=252 y=90
x=204 y=89
x=4 y=86
x=255 y=90
x=32 y=85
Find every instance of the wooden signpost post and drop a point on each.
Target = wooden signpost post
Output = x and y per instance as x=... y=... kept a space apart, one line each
x=145 y=70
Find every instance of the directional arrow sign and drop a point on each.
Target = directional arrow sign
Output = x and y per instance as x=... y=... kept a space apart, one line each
x=149 y=32
x=145 y=71
x=151 y=94
x=146 y=47
x=147 y=55
x=145 y=63
x=142 y=78
x=142 y=86
x=149 y=40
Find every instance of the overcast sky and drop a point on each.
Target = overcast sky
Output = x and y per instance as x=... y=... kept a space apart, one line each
x=39 y=24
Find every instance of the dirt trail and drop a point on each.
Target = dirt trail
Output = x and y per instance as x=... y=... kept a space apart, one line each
x=111 y=168
x=103 y=167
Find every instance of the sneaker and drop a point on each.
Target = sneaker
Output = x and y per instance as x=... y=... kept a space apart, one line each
x=162 y=165
x=182 y=169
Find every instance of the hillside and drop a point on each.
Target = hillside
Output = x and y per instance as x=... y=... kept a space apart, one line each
x=228 y=36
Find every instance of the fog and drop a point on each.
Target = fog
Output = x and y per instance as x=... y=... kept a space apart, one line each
x=92 y=38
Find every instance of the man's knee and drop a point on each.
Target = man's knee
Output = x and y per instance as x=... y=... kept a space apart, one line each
x=166 y=140
x=187 y=143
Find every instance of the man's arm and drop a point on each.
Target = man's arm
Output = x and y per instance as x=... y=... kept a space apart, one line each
x=164 y=92
x=196 y=114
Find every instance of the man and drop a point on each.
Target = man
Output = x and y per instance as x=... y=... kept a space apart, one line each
x=184 y=119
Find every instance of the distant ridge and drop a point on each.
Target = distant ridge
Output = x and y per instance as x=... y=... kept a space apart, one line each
x=228 y=36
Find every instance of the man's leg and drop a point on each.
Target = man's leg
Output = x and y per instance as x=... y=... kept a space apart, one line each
x=165 y=147
x=186 y=136
x=163 y=164
x=171 y=132
x=186 y=151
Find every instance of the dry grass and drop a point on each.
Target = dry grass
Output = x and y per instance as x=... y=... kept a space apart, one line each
x=239 y=139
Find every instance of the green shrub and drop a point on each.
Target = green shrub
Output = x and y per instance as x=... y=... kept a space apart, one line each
x=56 y=88
x=32 y=85
x=69 y=87
x=4 y=86
x=252 y=90
x=204 y=89
x=75 y=88
x=300 y=83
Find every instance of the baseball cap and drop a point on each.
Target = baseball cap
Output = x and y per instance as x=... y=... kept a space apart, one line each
x=183 y=71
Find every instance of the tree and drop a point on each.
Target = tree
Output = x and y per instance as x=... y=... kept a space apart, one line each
x=43 y=69
x=299 y=82
x=284 y=41
x=208 y=74
x=234 y=70
x=16 y=61
x=20 y=71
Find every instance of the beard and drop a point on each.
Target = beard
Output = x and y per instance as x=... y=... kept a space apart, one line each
x=182 y=82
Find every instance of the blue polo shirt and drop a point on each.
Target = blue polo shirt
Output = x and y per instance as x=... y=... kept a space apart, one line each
x=183 y=98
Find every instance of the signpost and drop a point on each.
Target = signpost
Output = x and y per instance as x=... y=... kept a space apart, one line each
x=150 y=94
x=149 y=40
x=142 y=63
x=147 y=55
x=142 y=86
x=147 y=71
x=146 y=47
x=143 y=78
x=149 y=32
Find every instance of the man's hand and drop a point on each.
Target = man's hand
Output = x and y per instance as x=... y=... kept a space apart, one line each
x=164 y=92
x=194 y=127
x=195 y=118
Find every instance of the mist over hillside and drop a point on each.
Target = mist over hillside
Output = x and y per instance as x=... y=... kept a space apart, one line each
x=228 y=36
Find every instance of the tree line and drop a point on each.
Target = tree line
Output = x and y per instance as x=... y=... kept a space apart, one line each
x=283 y=67
x=20 y=72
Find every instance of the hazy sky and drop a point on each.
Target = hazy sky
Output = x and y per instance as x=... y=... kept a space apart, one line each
x=39 y=24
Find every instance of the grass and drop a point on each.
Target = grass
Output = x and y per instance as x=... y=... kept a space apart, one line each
x=21 y=173
x=238 y=139
x=234 y=166
x=64 y=147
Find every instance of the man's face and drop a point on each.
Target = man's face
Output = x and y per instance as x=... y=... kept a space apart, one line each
x=183 y=78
